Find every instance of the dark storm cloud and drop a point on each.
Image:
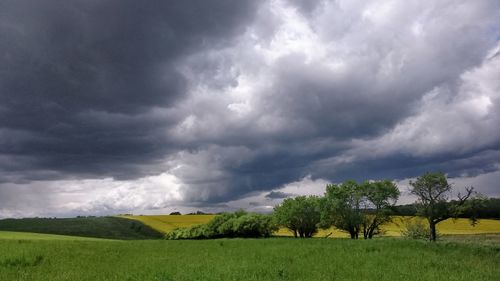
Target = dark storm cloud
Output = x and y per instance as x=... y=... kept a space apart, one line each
x=305 y=6
x=278 y=195
x=223 y=104
x=386 y=70
x=80 y=81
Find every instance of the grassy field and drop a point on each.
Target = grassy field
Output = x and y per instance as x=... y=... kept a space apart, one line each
x=99 y=227
x=488 y=240
x=12 y=235
x=166 y=223
x=250 y=259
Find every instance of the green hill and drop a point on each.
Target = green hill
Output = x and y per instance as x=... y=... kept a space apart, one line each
x=99 y=227
x=30 y=236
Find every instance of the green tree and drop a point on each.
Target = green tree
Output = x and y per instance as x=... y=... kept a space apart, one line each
x=227 y=225
x=341 y=207
x=379 y=198
x=300 y=215
x=433 y=192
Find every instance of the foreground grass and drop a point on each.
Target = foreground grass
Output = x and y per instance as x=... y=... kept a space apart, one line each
x=488 y=240
x=252 y=259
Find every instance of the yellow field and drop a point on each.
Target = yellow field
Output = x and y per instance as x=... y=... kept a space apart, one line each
x=449 y=226
x=166 y=223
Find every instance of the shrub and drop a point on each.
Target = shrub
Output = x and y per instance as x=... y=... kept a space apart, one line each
x=228 y=225
x=253 y=225
x=415 y=229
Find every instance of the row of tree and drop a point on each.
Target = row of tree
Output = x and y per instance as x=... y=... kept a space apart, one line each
x=356 y=208
x=489 y=209
x=363 y=208
x=352 y=207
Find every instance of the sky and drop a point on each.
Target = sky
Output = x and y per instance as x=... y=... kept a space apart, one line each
x=145 y=107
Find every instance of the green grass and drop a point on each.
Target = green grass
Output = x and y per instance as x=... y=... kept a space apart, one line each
x=99 y=227
x=488 y=240
x=12 y=235
x=251 y=259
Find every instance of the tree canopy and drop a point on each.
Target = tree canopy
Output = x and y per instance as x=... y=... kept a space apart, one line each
x=300 y=215
x=433 y=192
x=354 y=207
x=379 y=200
x=341 y=207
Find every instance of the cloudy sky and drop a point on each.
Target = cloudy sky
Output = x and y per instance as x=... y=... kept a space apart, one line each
x=111 y=106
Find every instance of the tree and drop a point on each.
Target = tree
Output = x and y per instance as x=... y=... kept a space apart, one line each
x=300 y=215
x=433 y=191
x=341 y=207
x=379 y=198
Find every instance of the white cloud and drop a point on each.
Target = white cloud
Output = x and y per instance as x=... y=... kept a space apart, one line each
x=90 y=196
x=448 y=120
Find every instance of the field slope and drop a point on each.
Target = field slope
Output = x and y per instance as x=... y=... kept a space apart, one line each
x=99 y=227
x=24 y=236
x=247 y=259
x=166 y=223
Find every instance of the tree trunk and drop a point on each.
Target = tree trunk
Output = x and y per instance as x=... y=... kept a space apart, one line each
x=370 y=233
x=295 y=233
x=432 y=230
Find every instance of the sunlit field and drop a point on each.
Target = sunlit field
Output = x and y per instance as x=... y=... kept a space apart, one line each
x=449 y=226
x=166 y=223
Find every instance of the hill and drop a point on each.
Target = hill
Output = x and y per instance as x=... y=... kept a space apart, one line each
x=23 y=236
x=98 y=227
x=167 y=223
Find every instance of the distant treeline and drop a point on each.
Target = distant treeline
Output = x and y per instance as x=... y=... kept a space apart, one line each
x=490 y=209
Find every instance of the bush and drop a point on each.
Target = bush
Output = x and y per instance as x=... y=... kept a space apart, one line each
x=253 y=225
x=228 y=225
x=416 y=229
